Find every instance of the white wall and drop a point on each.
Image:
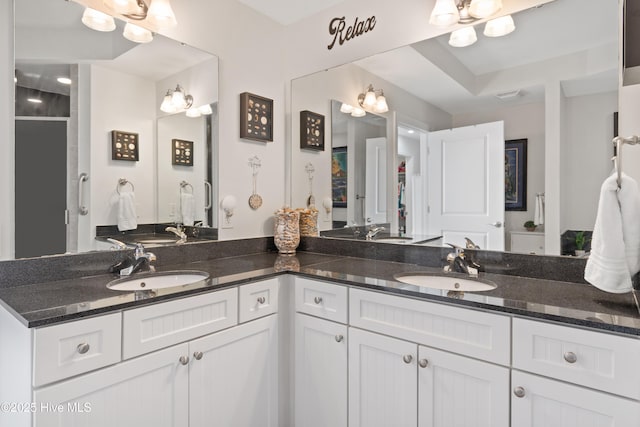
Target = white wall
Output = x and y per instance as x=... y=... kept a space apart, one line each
x=126 y=103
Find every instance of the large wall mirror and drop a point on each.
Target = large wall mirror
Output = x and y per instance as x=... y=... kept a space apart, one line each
x=70 y=167
x=435 y=90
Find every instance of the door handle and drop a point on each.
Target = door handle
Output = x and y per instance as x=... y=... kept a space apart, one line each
x=496 y=224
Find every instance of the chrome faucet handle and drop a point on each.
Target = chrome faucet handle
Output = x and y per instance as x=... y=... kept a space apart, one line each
x=470 y=244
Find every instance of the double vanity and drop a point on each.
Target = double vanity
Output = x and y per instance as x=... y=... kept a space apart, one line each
x=315 y=339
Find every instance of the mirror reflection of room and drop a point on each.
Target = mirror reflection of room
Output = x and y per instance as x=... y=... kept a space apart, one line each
x=100 y=95
x=530 y=81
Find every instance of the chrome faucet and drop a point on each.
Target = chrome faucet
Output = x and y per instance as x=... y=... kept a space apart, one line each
x=373 y=231
x=178 y=231
x=142 y=262
x=470 y=244
x=117 y=244
x=458 y=262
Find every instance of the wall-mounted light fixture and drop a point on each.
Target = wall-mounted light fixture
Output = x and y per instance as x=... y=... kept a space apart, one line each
x=157 y=13
x=176 y=101
x=373 y=99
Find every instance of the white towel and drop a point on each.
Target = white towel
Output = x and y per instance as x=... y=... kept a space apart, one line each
x=127 y=218
x=538 y=217
x=187 y=208
x=615 y=245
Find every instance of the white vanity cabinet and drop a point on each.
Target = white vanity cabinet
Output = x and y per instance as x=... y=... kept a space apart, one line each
x=209 y=359
x=409 y=381
x=579 y=366
x=320 y=353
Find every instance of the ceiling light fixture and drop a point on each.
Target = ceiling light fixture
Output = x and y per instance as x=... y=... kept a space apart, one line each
x=176 y=101
x=463 y=37
x=157 y=12
x=450 y=12
x=373 y=99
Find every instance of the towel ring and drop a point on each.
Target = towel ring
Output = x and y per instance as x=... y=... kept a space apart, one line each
x=123 y=182
x=618 y=142
x=185 y=184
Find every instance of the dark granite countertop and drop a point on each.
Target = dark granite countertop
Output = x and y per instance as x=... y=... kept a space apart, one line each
x=573 y=303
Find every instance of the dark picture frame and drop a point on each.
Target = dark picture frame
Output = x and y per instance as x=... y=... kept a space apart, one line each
x=339 y=177
x=311 y=130
x=124 y=146
x=256 y=117
x=181 y=152
x=515 y=175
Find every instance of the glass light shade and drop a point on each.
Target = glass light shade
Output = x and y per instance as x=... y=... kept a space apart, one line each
x=137 y=34
x=193 y=112
x=499 y=27
x=161 y=14
x=178 y=99
x=463 y=37
x=444 y=13
x=123 y=7
x=346 y=108
x=381 y=105
x=64 y=80
x=369 y=98
x=97 y=20
x=205 y=109
x=167 y=103
x=483 y=8
x=358 y=112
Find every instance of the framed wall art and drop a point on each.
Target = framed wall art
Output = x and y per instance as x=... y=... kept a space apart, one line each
x=181 y=152
x=256 y=117
x=311 y=130
x=515 y=175
x=339 y=177
x=124 y=146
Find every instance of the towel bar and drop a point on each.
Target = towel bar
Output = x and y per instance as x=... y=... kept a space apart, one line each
x=618 y=142
x=185 y=184
x=82 y=209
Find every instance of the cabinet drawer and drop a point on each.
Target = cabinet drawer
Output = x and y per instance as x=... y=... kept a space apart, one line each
x=472 y=333
x=321 y=299
x=258 y=299
x=73 y=348
x=161 y=325
x=593 y=359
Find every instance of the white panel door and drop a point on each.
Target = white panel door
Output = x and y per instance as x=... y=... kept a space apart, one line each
x=383 y=381
x=466 y=185
x=151 y=390
x=376 y=181
x=458 y=391
x=233 y=377
x=542 y=402
x=320 y=373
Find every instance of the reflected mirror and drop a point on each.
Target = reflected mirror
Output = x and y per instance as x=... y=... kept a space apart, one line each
x=552 y=82
x=101 y=133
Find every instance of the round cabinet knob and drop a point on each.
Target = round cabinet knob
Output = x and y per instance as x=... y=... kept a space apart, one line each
x=183 y=360
x=261 y=300
x=519 y=391
x=570 y=357
x=83 y=348
x=317 y=300
x=339 y=338
x=407 y=358
x=423 y=363
x=197 y=355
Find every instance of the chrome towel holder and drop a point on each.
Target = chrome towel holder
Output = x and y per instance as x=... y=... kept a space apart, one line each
x=184 y=185
x=122 y=182
x=618 y=142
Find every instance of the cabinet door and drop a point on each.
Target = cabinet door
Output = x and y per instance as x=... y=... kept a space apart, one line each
x=383 y=381
x=543 y=402
x=320 y=373
x=233 y=376
x=152 y=390
x=458 y=391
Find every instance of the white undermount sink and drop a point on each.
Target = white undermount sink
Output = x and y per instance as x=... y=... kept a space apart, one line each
x=430 y=280
x=160 y=280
